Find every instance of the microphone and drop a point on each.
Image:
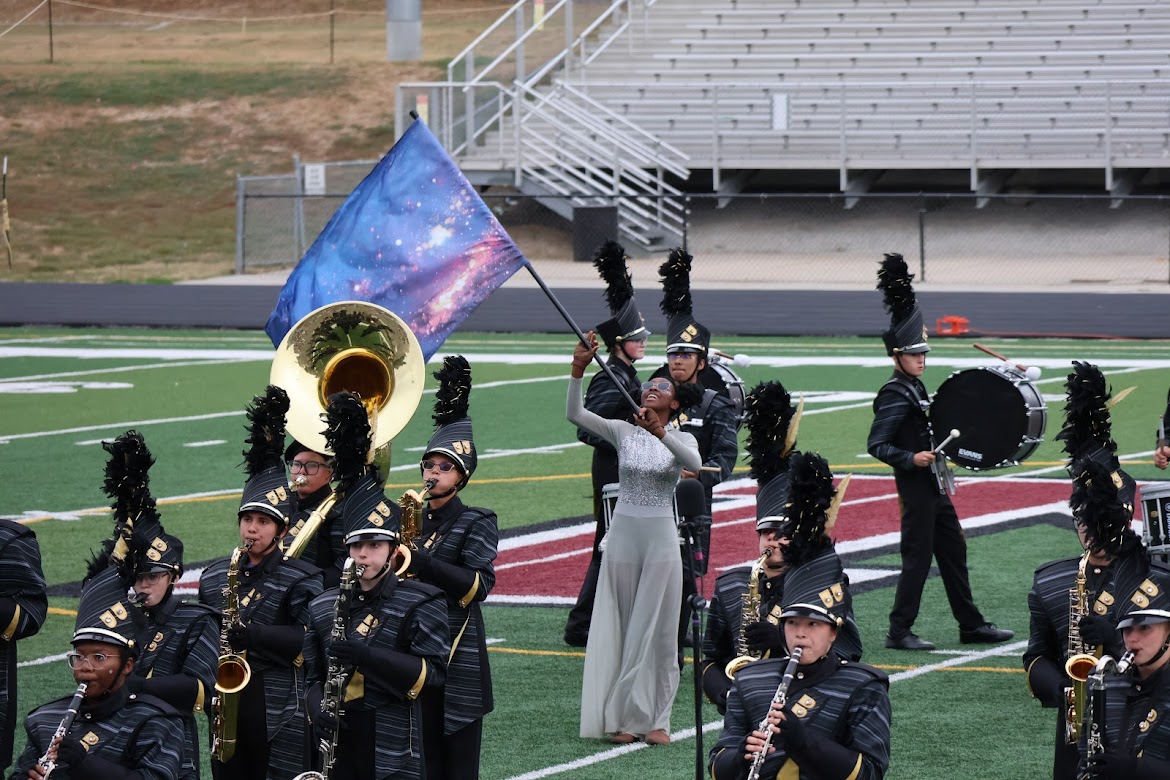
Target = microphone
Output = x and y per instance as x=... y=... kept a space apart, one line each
x=689 y=498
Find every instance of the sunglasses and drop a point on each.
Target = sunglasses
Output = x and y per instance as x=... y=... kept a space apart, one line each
x=433 y=464
x=661 y=385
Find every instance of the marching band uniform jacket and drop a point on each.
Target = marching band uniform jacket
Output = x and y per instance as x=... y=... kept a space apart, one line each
x=136 y=736
x=1137 y=722
x=23 y=607
x=843 y=706
x=724 y=623
x=403 y=623
x=273 y=594
x=326 y=550
x=178 y=664
x=457 y=554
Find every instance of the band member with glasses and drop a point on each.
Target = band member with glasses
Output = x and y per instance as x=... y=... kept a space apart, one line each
x=274 y=592
x=23 y=609
x=705 y=411
x=631 y=670
x=310 y=474
x=396 y=639
x=835 y=718
x=625 y=336
x=180 y=641
x=455 y=552
x=900 y=437
x=116 y=734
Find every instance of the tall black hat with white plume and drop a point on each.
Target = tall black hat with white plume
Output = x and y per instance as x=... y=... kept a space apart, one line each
x=626 y=322
x=907 y=333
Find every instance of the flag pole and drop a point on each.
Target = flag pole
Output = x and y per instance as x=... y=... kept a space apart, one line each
x=577 y=330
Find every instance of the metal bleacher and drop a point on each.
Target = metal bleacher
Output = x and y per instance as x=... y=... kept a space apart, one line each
x=852 y=86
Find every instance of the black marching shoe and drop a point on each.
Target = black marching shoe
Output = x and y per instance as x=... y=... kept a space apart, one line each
x=986 y=634
x=576 y=640
x=908 y=642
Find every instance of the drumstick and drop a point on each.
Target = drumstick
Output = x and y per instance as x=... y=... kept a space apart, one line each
x=954 y=435
x=709 y=468
x=998 y=356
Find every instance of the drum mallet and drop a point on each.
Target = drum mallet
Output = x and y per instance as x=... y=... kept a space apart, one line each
x=738 y=360
x=954 y=434
x=1030 y=372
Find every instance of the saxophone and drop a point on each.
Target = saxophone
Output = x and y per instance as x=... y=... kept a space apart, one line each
x=781 y=698
x=749 y=613
x=46 y=763
x=233 y=672
x=1081 y=658
x=337 y=676
x=411 y=505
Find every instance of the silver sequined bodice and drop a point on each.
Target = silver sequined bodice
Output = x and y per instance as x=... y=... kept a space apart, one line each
x=647 y=470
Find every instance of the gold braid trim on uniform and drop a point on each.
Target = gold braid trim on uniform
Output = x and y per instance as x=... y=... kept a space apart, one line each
x=418 y=684
x=11 y=630
x=790 y=770
x=455 y=643
x=1028 y=677
x=356 y=687
x=469 y=595
x=713 y=762
x=198 y=697
x=856 y=769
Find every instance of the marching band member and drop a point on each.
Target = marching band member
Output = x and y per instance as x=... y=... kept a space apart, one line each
x=177 y=659
x=772 y=424
x=115 y=734
x=1113 y=564
x=310 y=475
x=273 y=593
x=1161 y=443
x=631 y=671
x=625 y=336
x=1136 y=730
x=388 y=638
x=834 y=720
x=456 y=553
x=707 y=414
x=23 y=609
x=901 y=437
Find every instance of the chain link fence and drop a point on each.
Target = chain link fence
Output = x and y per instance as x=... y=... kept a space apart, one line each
x=789 y=240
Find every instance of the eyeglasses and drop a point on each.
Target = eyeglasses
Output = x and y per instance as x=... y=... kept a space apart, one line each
x=310 y=467
x=661 y=385
x=444 y=467
x=92 y=660
x=151 y=576
x=681 y=354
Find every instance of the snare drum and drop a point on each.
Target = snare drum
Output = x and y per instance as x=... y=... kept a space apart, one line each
x=1156 y=518
x=1000 y=416
x=609 y=499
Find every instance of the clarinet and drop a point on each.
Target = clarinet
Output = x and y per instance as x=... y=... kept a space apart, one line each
x=1095 y=714
x=46 y=763
x=780 y=698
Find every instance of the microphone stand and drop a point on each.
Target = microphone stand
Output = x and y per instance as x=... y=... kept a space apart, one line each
x=698 y=605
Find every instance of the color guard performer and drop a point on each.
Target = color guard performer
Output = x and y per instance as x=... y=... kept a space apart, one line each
x=901 y=437
x=772 y=424
x=1075 y=602
x=379 y=641
x=456 y=554
x=1135 y=732
x=834 y=717
x=177 y=660
x=625 y=337
x=106 y=732
x=23 y=608
x=273 y=593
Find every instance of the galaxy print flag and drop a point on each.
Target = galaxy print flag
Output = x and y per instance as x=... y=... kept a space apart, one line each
x=413 y=237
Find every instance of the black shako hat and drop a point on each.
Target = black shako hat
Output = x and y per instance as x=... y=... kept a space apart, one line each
x=907 y=333
x=772 y=424
x=105 y=614
x=627 y=323
x=267 y=487
x=683 y=331
x=453 y=435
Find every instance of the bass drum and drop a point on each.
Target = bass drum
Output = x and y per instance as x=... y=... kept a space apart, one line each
x=998 y=412
x=719 y=377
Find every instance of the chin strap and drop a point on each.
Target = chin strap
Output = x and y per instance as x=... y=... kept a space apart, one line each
x=1158 y=655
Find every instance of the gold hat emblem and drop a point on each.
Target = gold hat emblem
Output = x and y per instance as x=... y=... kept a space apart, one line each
x=1149 y=588
x=119 y=609
x=276 y=496
x=159 y=544
x=382 y=509
x=153 y=554
x=374 y=519
x=1140 y=599
x=838 y=592
x=462 y=447
x=826 y=597
x=108 y=619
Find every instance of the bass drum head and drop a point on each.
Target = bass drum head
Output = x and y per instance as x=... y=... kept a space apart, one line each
x=987 y=409
x=721 y=379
